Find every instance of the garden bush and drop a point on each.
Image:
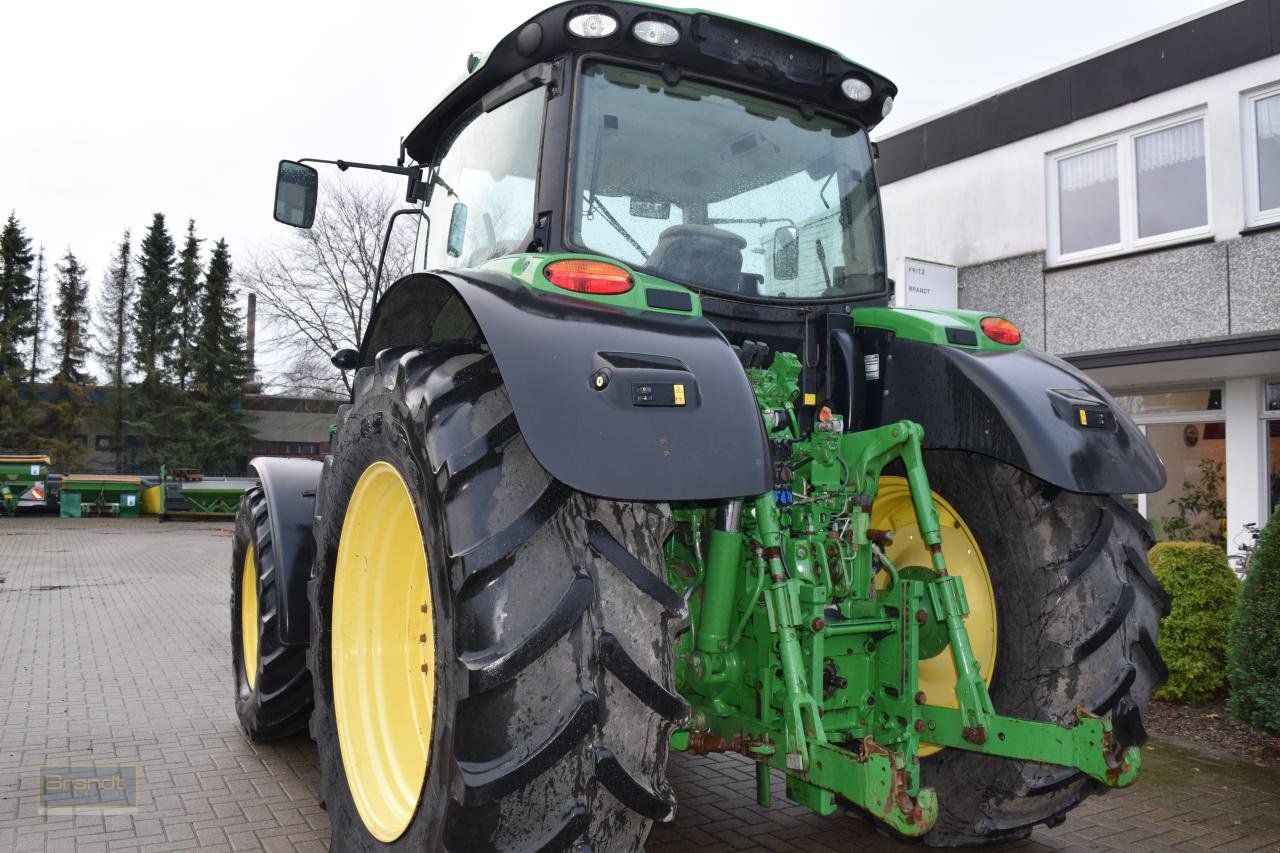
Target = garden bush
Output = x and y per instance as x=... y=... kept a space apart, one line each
x=1255 y=637
x=1193 y=637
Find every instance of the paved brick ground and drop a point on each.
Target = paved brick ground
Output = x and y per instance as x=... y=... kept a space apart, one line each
x=113 y=649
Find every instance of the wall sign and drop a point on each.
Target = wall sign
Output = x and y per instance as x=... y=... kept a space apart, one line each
x=928 y=285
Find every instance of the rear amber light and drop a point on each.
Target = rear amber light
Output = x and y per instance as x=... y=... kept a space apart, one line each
x=1001 y=331
x=598 y=278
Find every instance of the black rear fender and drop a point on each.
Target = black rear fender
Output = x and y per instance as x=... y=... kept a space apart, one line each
x=597 y=390
x=1019 y=406
x=290 y=488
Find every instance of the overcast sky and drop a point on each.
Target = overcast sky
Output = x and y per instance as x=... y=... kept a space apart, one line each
x=114 y=110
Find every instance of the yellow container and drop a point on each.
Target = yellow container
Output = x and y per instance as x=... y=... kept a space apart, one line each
x=153 y=500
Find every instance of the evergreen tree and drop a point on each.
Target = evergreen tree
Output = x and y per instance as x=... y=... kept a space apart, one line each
x=72 y=316
x=154 y=338
x=15 y=327
x=15 y=294
x=113 y=340
x=65 y=412
x=188 y=307
x=37 y=334
x=154 y=328
x=218 y=439
x=221 y=364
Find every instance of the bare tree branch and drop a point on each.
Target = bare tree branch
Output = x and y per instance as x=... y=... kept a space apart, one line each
x=315 y=287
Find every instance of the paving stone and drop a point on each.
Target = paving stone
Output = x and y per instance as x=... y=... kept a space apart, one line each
x=114 y=637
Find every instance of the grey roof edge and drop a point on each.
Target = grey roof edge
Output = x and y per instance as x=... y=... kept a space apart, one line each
x=1177 y=350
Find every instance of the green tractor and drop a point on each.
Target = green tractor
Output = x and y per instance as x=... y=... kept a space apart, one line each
x=640 y=460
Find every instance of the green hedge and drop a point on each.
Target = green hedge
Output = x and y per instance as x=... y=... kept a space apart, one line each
x=1255 y=637
x=1193 y=637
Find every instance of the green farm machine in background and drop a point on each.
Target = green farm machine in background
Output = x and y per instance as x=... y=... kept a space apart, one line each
x=23 y=481
x=108 y=495
x=186 y=493
x=639 y=458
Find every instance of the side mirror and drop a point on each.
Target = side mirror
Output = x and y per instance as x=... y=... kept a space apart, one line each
x=297 y=187
x=786 y=253
x=457 y=230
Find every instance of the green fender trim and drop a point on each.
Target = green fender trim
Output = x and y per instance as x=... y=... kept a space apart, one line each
x=930 y=325
x=528 y=269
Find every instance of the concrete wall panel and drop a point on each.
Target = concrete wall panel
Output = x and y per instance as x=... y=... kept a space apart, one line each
x=1162 y=297
x=1255 y=283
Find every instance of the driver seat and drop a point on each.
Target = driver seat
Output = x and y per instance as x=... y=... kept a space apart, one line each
x=701 y=255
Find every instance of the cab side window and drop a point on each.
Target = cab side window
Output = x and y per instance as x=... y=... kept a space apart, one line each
x=482 y=205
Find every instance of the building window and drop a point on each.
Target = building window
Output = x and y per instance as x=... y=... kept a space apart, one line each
x=1144 y=187
x=286 y=448
x=1187 y=428
x=1262 y=156
x=1089 y=201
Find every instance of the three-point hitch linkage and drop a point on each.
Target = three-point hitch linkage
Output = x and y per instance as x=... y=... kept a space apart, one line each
x=805 y=639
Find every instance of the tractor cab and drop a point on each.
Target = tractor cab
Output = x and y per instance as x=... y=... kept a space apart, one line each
x=710 y=153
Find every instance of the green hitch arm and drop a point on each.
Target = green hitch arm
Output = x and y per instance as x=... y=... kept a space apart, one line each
x=724 y=562
x=947 y=593
x=802 y=717
x=951 y=606
x=921 y=493
x=1087 y=745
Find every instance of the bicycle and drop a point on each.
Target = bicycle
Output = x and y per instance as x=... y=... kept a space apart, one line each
x=1239 y=561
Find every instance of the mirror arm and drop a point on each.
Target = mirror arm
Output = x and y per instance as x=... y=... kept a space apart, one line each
x=417 y=190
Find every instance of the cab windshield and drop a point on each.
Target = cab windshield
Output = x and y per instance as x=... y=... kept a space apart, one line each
x=723 y=191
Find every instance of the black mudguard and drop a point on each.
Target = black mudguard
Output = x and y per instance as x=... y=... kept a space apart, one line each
x=608 y=441
x=290 y=487
x=1019 y=406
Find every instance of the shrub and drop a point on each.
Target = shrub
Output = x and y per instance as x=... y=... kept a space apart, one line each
x=1255 y=637
x=1193 y=637
x=1202 y=508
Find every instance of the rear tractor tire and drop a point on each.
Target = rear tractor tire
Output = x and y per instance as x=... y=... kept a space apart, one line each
x=1076 y=610
x=273 y=687
x=491 y=650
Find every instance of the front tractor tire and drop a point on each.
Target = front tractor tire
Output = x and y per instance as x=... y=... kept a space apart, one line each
x=273 y=687
x=1076 y=611
x=491 y=651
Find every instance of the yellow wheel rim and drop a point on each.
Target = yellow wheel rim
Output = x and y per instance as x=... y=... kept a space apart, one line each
x=383 y=652
x=249 y=617
x=894 y=511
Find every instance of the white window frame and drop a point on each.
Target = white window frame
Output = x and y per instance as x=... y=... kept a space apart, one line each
x=1253 y=214
x=1126 y=175
x=1267 y=414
